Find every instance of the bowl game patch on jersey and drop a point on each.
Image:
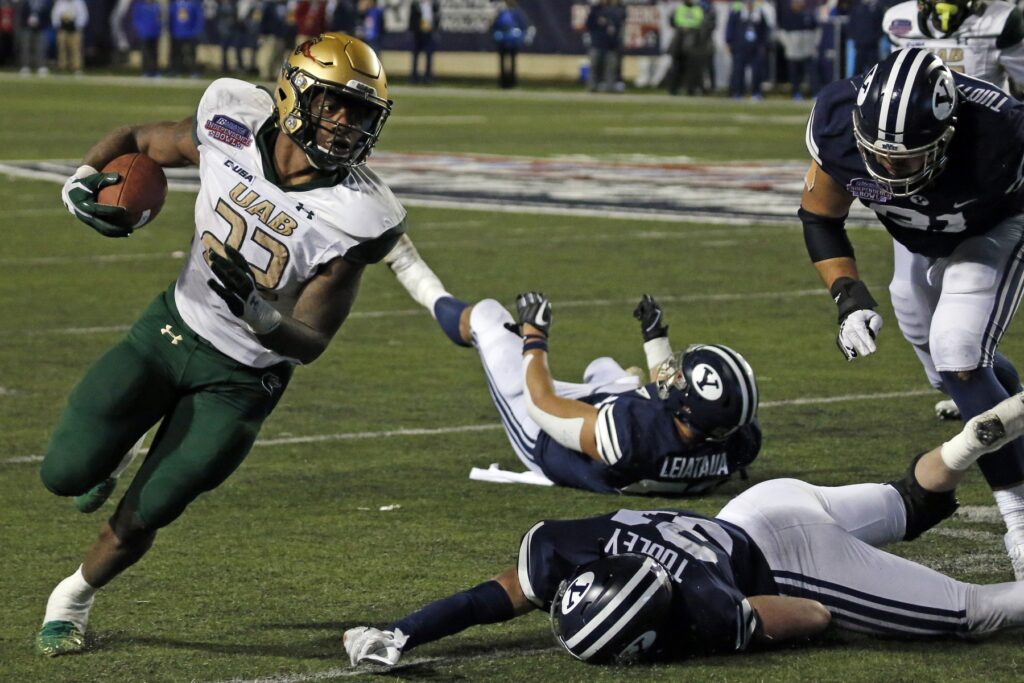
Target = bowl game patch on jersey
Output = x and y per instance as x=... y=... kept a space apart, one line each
x=226 y=129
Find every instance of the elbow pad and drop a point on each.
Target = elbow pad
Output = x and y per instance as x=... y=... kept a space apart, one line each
x=564 y=430
x=825 y=237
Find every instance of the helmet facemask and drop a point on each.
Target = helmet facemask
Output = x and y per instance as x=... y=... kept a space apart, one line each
x=314 y=122
x=945 y=17
x=900 y=170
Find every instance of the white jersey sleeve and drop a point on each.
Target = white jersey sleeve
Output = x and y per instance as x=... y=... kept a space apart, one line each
x=286 y=233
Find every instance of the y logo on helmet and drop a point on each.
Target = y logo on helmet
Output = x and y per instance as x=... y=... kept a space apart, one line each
x=707 y=382
x=944 y=96
x=577 y=589
x=866 y=85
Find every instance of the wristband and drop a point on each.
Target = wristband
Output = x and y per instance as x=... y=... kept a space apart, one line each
x=851 y=295
x=657 y=351
x=261 y=317
x=533 y=342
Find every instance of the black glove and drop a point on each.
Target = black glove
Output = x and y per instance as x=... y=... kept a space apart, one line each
x=649 y=313
x=238 y=289
x=535 y=309
x=79 y=197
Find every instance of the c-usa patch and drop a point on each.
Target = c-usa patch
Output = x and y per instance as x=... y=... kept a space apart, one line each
x=900 y=27
x=868 y=190
x=226 y=129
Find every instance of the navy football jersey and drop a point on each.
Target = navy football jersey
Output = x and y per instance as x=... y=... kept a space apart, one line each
x=713 y=566
x=654 y=459
x=980 y=186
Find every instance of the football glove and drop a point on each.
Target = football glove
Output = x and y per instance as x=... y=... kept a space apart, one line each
x=535 y=309
x=858 y=323
x=368 y=644
x=238 y=289
x=79 y=197
x=649 y=313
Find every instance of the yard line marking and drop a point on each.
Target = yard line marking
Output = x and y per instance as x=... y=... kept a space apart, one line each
x=95 y=258
x=463 y=429
x=979 y=514
x=369 y=669
x=577 y=303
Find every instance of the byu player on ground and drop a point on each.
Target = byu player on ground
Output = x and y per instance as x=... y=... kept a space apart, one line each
x=684 y=433
x=979 y=38
x=286 y=219
x=779 y=562
x=939 y=157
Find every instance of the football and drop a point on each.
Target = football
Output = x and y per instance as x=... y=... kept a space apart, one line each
x=141 y=190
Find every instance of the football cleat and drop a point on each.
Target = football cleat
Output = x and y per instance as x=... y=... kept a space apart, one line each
x=946 y=410
x=57 y=638
x=1014 y=542
x=94 y=498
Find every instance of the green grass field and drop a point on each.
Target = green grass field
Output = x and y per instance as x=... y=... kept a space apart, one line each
x=259 y=579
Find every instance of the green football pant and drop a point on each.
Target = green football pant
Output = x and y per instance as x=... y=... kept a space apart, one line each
x=211 y=409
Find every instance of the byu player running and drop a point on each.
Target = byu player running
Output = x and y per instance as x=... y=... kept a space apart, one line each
x=939 y=157
x=684 y=433
x=983 y=39
x=287 y=217
x=779 y=562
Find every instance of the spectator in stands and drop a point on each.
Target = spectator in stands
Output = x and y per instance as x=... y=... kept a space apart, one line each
x=249 y=13
x=865 y=30
x=147 y=21
x=344 y=15
x=510 y=30
x=424 y=20
x=832 y=40
x=187 y=22
x=604 y=31
x=799 y=35
x=32 y=28
x=228 y=34
x=747 y=34
x=8 y=18
x=371 y=24
x=69 y=18
x=272 y=45
x=687 y=48
x=310 y=19
x=707 y=39
x=652 y=69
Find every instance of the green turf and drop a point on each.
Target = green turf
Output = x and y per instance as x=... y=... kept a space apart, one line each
x=260 y=578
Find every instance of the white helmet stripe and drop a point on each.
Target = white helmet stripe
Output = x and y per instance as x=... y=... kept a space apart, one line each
x=748 y=390
x=623 y=622
x=908 y=84
x=883 y=115
x=644 y=572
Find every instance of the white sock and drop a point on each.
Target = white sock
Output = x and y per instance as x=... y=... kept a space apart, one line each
x=71 y=601
x=1011 y=506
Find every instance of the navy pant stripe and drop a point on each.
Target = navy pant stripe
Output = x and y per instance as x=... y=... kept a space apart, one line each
x=1007 y=301
x=867 y=597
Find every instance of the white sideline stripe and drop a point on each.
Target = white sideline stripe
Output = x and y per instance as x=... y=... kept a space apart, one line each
x=462 y=429
x=369 y=669
x=579 y=303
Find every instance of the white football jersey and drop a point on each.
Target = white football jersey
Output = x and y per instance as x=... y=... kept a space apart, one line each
x=285 y=234
x=973 y=48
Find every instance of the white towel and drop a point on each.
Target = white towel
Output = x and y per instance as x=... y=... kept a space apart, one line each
x=497 y=475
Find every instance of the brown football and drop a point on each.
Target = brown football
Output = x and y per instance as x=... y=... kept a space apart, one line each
x=141 y=190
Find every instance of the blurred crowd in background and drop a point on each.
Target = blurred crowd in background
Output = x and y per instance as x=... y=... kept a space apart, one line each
x=688 y=47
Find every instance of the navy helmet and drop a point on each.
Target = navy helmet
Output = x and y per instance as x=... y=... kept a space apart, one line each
x=711 y=388
x=905 y=119
x=613 y=610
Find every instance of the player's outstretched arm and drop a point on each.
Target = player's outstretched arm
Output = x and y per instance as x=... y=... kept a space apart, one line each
x=654 y=331
x=491 y=602
x=823 y=210
x=782 y=618
x=569 y=422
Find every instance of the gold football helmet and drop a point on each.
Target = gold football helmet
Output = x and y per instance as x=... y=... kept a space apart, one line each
x=332 y=100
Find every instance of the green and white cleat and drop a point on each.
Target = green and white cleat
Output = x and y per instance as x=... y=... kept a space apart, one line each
x=57 y=638
x=94 y=498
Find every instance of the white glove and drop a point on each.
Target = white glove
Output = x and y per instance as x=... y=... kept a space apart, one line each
x=368 y=644
x=857 y=333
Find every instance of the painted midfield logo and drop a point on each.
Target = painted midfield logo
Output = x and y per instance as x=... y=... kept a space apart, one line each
x=175 y=338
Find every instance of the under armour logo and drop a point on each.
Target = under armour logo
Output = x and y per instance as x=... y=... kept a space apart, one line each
x=303 y=209
x=175 y=338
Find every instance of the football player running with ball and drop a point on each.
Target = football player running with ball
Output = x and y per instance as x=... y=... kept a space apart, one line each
x=939 y=157
x=685 y=432
x=780 y=562
x=287 y=217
